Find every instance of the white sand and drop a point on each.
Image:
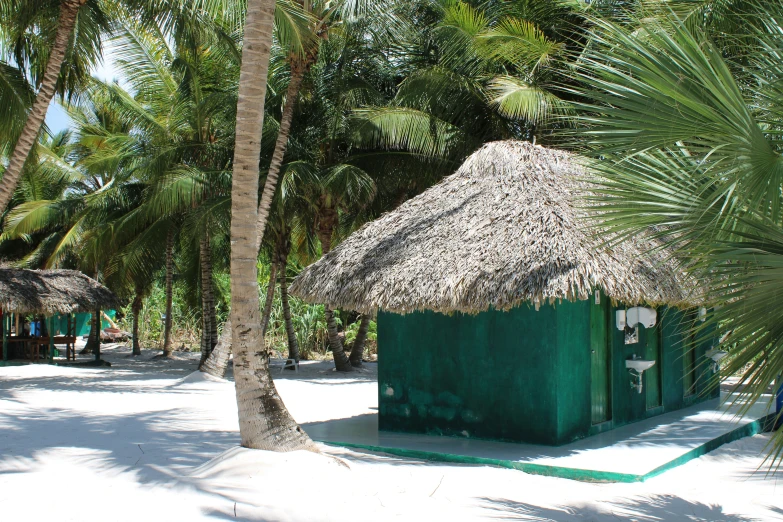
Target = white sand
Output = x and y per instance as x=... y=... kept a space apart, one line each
x=147 y=440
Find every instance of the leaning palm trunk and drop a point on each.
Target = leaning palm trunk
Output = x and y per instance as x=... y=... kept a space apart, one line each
x=136 y=311
x=264 y=421
x=341 y=361
x=361 y=338
x=69 y=9
x=217 y=362
x=273 y=174
x=169 y=294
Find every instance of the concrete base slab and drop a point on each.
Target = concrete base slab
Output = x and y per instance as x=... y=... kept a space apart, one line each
x=631 y=453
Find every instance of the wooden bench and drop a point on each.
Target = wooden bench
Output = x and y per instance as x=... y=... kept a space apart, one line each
x=36 y=343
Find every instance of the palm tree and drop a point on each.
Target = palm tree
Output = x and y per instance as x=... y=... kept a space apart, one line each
x=357 y=350
x=689 y=136
x=473 y=74
x=169 y=292
x=264 y=422
x=69 y=10
x=42 y=35
x=179 y=107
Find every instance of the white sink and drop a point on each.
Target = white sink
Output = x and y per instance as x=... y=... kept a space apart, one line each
x=639 y=365
x=716 y=355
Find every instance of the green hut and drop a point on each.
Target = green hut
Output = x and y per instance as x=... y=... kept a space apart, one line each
x=57 y=296
x=499 y=315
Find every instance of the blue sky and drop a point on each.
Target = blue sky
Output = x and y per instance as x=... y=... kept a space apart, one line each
x=56 y=118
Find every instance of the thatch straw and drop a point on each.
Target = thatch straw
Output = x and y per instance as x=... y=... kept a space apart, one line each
x=503 y=230
x=51 y=292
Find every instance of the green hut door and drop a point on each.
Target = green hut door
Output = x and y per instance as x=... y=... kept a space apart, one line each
x=601 y=383
x=652 y=377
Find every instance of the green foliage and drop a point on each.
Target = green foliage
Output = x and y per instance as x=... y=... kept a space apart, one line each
x=353 y=330
x=685 y=128
x=186 y=320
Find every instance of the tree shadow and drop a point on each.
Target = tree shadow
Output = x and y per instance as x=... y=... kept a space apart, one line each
x=653 y=508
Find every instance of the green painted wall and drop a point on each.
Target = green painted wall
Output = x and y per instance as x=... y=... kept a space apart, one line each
x=486 y=376
x=84 y=322
x=572 y=370
x=522 y=375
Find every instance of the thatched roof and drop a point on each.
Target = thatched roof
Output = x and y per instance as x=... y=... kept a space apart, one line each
x=503 y=230
x=52 y=292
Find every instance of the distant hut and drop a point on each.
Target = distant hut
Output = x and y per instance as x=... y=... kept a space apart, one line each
x=498 y=309
x=53 y=294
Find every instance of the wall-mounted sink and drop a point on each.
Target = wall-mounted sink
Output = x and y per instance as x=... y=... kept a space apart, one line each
x=716 y=355
x=639 y=365
x=636 y=367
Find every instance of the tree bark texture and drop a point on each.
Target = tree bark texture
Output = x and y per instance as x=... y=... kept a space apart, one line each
x=357 y=351
x=208 y=315
x=273 y=174
x=326 y=225
x=69 y=10
x=293 y=343
x=264 y=421
x=270 y=296
x=169 y=293
x=217 y=362
x=94 y=340
x=136 y=311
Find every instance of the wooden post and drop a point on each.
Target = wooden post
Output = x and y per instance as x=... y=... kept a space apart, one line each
x=6 y=333
x=50 y=327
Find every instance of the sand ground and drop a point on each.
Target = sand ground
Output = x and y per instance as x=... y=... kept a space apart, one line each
x=148 y=440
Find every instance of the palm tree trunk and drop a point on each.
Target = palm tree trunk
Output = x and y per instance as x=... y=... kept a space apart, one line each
x=136 y=311
x=270 y=296
x=264 y=421
x=169 y=293
x=327 y=223
x=293 y=344
x=217 y=362
x=94 y=340
x=292 y=93
x=358 y=345
x=208 y=315
x=210 y=285
x=69 y=9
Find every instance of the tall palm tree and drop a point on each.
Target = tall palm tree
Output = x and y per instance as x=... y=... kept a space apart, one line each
x=688 y=133
x=264 y=421
x=42 y=35
x=69 y=10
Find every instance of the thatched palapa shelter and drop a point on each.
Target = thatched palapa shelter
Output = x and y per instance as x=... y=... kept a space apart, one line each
x=50 y=292
x=503 y=230
x=54 y=294
x=494 y=280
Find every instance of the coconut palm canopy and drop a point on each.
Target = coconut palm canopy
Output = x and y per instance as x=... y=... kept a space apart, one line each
x=506 y=228
x=52 y=292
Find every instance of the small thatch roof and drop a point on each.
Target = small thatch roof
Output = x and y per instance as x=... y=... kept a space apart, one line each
x=502 y=230
x=51 y=292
